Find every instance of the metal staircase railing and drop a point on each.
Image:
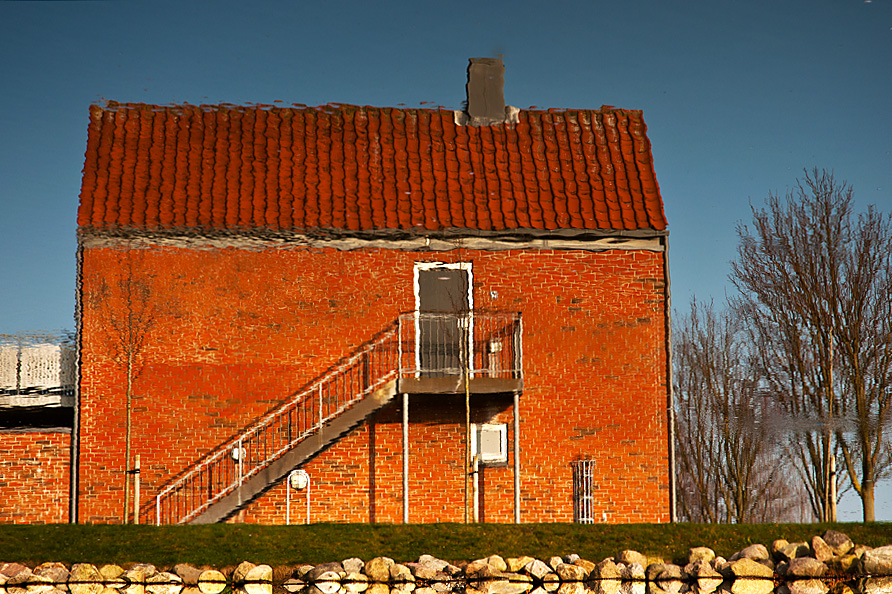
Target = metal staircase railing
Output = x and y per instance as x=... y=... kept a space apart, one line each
x=230 y=464
x=413 y=345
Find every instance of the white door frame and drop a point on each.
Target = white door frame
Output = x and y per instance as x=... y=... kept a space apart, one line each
x=467 y=267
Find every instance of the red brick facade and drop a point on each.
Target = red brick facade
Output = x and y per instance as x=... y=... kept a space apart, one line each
x=236 y=330
x=245 y=251
x=34 y=477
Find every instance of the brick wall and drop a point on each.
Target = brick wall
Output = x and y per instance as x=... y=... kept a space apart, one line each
x=235 y=331
x=34 y=477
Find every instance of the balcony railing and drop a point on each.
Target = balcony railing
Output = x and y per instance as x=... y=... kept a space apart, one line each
x=486 y=345
x=416 y=345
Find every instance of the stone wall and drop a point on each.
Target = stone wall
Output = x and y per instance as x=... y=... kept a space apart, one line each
x=829 y=563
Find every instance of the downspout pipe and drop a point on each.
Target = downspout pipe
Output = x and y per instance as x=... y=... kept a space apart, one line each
x=517 y=458
x=670 y=383
x=405 y=458
x=74 y=457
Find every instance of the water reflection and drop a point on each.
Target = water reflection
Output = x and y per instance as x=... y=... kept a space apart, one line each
x=161 y=584
x=868 y=585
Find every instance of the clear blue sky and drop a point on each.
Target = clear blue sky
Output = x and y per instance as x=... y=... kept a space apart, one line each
x=738 y=96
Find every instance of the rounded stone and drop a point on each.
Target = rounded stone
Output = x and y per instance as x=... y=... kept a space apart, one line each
x=806 y=567
x=570 y=573
x=515 y=564
x=820 y=550
x=606 y=570
x=259 y=588
x=747 y=568
x=840 y=543
x=85 y=578
x=399 y=573
x=211 y=581
x=878 y=561
x=537 y=568
x=241 y=571
x=807 y=587
x=752 y=586
x=497 y=562
x=756 y=552
x=164 y=583
x=378 y=569
x=355 y=582
x=700 y=554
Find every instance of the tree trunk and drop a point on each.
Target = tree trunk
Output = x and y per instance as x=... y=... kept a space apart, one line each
x=127 y=439
x=867 y=500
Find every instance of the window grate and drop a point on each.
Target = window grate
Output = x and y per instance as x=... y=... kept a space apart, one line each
x=583 y=491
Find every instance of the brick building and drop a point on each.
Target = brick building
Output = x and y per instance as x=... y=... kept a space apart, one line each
x=37 y=378
x=431 y=313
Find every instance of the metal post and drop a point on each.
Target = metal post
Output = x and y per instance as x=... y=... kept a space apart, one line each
x=136 y=491
x=320 y=407
x=241 y=455
x=469 y=340
x=405 y=458
x=466 y=463
x=399 y=351
x=366 y=371
x=157 y=510
x=475 y=470
x=670 y=381
x=289 y=484
x=516 y=458
x=833 y=488
x=518 y=364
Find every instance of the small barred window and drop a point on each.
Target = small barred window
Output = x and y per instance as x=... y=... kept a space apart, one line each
x=583 y=495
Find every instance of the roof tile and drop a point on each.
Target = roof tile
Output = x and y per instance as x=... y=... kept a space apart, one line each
x=352 y=169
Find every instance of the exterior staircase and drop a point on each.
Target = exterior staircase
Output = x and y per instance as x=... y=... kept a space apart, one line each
x=417 y=353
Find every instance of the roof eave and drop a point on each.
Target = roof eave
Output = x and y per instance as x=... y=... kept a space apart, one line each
x=519 y=234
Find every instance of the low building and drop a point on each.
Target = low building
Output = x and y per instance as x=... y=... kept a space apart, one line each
x=37 y=386
x=435 y=315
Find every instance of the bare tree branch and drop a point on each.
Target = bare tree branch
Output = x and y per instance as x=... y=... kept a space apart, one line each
x=729 y=468
x=814 y=283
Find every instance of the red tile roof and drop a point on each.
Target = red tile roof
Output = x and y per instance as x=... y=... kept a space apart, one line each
x=365 y=169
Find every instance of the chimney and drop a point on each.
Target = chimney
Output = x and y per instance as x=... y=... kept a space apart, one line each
x=486 y=98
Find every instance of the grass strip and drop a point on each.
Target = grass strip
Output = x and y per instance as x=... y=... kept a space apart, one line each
x=223 y=545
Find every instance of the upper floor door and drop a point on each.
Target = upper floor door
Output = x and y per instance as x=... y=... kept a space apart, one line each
x=443 y=300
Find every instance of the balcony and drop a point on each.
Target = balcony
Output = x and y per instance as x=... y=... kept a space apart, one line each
x=440 y=351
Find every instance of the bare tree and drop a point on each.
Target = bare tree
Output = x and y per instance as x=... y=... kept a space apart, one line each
x=814 y=284
x=129 y=312
x=697 y=434
x=729 y=469
x=863 y=333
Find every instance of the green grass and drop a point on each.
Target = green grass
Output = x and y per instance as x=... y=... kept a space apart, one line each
x=223 y=545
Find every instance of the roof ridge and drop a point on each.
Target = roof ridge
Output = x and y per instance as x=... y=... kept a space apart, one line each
x=109 y=105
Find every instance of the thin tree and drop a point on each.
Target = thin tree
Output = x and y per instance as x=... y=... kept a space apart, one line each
x=814 y=284
x=728 y=466
x=130 y=316
x=863 y=334
x=697 y=434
